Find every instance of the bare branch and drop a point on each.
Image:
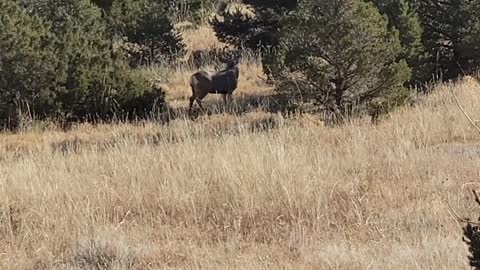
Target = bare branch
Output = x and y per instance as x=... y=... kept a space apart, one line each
x=464 y=112
x=460 y=219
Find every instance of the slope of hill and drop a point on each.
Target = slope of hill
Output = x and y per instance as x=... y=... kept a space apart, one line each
x=249 y=192
x=244 y=191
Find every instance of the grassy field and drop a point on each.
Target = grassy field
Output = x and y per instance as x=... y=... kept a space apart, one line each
x=248 y=191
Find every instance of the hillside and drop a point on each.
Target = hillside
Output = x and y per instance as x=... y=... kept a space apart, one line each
x=244 y=192
x=102 y=166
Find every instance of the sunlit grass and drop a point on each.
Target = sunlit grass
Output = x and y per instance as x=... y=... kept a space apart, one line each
x=242 y=188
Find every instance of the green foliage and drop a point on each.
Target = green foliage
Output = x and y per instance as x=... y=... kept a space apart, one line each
x=27 y=64
x=105 y=5
x=403 y=17
x=129 y=94
x=154 y=32
x=452 y=35
x=67 y=69
x=339 y=56
x=257 y=24
x=96 y=84
x=83 y=53
x=145 y=29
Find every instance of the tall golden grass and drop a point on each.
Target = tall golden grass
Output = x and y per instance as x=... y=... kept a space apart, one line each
x=244 y=192
x=251 y=191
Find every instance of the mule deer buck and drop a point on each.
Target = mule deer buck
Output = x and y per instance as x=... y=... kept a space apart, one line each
x=221 y=82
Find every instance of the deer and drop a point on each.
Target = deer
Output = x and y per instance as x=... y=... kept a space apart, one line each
x=220 y=82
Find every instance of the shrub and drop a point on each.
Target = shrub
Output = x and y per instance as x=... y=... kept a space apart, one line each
x=27 y=65
x=86 y=82
x=132 y=96
x=339 y=56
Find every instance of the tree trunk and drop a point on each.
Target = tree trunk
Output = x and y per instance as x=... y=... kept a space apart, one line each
x=15 y=117
x=339 y=90
x=152 y=52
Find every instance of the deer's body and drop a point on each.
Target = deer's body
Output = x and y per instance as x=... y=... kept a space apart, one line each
x=222 y=82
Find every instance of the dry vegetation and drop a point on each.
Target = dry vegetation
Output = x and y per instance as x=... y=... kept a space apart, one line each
x=256 y=191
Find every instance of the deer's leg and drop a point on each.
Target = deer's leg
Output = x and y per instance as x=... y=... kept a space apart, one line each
x=199 y=102
x=224 y=96
x=192 y=99
x=199 y=99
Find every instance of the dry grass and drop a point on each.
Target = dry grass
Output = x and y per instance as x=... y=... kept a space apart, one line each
x=251 y=192
x=256 y=191
x=201 y=38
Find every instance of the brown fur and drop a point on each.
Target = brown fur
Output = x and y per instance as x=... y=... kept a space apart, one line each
x=222 y=82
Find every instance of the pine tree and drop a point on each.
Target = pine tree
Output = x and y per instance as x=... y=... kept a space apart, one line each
x=253 y=24
x=93 y=83
x=339 y=56
x=452 y=35
x=403 y=17
x=153 y=30
x=83 y=49
x=27 y=65
x=144 y=28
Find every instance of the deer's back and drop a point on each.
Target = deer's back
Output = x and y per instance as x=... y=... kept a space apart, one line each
x=225 y=81
x=201 y=80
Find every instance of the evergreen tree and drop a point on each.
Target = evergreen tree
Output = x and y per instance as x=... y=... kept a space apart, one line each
x=153 y=30
x=27 y=65
x=339 y=55
x=253 y=24
x=403 y=17
x=93 y=84
x=452 y=35
x=83 y=49
x=145 y=27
